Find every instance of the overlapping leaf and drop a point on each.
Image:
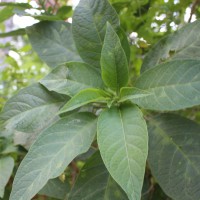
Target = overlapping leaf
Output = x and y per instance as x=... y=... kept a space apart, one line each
x=71 y=78
x=173 y=85
x=114 y=65
x=90 y=95
x=95 y=182
x=54 y=149
x=89 y=28
x=53 y=42
x=123 y=143
x=6 y=168
x=181 y=45
x=174 y=155
x=32 y=109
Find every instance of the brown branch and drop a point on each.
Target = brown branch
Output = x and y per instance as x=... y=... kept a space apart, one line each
x=194 y=5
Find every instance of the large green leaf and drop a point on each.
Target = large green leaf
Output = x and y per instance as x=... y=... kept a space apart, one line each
x=181 y=45
x=114 y=65
x=71 y=78
x=6 y=168
x=32 y=109
x=95 y=182
x=174 y=85
x=90 y=95
x=54 y=149
x=123 y=143
x=174 y=158
x=56 y=188
x=89 y=28
x=53 y=42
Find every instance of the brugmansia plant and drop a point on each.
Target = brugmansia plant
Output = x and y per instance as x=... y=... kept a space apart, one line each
x=88 y=99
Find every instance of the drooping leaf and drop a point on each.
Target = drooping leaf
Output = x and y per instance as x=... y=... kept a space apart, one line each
x=174 y=158
x=129 y=93
x=173 y=85
x=32 y=109
x=71 y=78
x=90 y=95
x=114 y=65
x=54 y=149
x=95 y=182
x=6 y=168
x=123 y=143
x=53 y=42
x=56 y=188
x=17 y=32
x=89 y=28
x=181 y=45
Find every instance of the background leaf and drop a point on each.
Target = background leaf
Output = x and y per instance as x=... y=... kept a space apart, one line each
x=72 y=77
x=54 y=149
x=114 y=65
x=53 y=42
x=6 y=168
x=181 y=45
x=123 y=143
x=56 y=188
x=174 y=85
x=32 y=109
x=174 y=159
x=89 y=28
x=95 y=182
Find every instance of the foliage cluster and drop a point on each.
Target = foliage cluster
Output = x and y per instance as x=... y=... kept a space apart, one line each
x=93 y=116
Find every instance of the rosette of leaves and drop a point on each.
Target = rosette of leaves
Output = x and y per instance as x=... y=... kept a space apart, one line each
x=89 y=93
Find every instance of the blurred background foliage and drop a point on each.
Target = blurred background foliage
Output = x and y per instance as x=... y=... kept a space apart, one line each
x=144 y=21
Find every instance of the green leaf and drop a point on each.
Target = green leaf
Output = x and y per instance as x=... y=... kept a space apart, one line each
x=6 y=168
x=13 y=33
x=129 y=93
x=54 y=149
x=56 y=188
x=174 y=146
x=89 y=28
x=71 y=78
x=16 y=5
x=123 y=142
x=181 y=45
x=53 y=42
x=32 y=109
x=90 y=95
x=114 y=65
x=174 y=85
x=95 y=182
x=6 y=13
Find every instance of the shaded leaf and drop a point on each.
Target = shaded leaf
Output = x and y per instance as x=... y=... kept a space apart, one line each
x=90 y=95
x=173 y=85
x=71 y=78
x=123 y=143
x=54 y=149
x=32 y=109
x=89 y=28
x=181 y=45
x=95 y=182
x=53 y=42
x=6 y=168
x=114 y=65
x=55 y=188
